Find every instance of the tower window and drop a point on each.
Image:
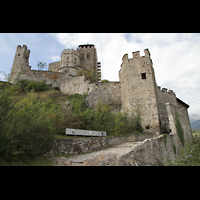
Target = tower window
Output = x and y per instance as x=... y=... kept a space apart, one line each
x=82 y=56
x=88 y=56
x=67 y=59
x=143 y=75
x=19 y=54
x=75 y=60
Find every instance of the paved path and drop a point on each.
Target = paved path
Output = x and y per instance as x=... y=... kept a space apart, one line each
x=118 y=150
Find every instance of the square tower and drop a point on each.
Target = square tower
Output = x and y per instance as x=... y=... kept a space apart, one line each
x=20 y=62
x=138 y=89
x=88 y=58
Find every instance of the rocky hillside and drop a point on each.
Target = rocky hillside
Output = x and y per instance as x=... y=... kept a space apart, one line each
x=194 y=118
x=195 y=125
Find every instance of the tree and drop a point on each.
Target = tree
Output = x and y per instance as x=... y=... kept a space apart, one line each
x=41 y=65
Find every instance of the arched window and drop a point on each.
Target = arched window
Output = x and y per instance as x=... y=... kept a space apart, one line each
x=82 y=56
x=88 y=56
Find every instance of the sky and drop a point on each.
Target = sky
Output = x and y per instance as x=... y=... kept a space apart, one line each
x=175 y=56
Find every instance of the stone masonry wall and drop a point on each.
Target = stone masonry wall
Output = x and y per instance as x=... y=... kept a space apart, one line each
x=138 y=89
x=53 y=78
x=88 y=144
x=77 y=84
x=108 y=92
x=185 y=122
x=165 y=96
x=54 y=66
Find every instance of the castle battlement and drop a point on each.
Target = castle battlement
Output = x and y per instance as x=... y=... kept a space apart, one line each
x=70 y=51
x=165 y=90
x=135 y=55
x=85 y=46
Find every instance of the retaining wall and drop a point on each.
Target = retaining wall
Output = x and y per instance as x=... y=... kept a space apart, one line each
x=85 y=144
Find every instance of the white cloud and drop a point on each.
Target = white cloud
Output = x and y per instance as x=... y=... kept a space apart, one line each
x=54 y=58
x=175 y=58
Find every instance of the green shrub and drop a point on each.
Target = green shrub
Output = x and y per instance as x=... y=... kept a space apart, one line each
x=189 y=155
x=27 y=127
x=105 y=80
x=101 y=118
x=78 y=104
x=27 y=85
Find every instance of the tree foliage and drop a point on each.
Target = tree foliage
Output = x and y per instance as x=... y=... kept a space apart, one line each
x=189 y=155
x=41 y=65
x=27 y=126
x=101 y=118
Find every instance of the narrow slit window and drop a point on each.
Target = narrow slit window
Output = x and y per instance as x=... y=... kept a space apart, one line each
x=88 y=56
x=143 y=75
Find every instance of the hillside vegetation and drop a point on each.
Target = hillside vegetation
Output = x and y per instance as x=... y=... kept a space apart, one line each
x=32 y=114
x=190 y=154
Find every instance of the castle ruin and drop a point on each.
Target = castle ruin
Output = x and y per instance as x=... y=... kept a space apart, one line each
x=136 y=89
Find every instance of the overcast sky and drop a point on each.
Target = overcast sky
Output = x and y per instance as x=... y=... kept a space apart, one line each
x=175 y=56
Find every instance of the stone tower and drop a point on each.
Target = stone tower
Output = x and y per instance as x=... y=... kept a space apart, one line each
x=69 y=59
x=20 y=62
x=138 y=89
x=88 y=57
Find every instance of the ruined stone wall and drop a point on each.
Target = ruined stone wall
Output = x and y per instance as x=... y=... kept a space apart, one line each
x=185 y=122
x=20 y=62
x=77 y=84
x=53 y=78
x=88 y=144
x=165 y=96
x=138 y=89
x=108 y=92
x=54 y=66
